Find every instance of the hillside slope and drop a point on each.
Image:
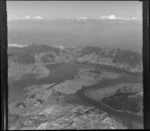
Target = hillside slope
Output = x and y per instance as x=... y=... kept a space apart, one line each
x=29 y=58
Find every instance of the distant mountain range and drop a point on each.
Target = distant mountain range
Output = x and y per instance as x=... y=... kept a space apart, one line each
x=44 y=54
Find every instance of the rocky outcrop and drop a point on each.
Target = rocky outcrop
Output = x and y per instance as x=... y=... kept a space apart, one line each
x=53 y=58
x=130 y=61
x=68 y=116
x=17 y=71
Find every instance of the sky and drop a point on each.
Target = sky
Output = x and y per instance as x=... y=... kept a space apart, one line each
x=73 y=9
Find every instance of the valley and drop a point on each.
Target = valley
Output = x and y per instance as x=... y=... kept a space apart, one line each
x=74 y=88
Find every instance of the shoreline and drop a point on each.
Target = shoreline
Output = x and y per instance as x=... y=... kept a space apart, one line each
x=119 y=114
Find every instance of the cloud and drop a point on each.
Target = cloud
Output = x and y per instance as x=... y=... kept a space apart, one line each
x=13 y=18
x=129 y=18
x=103 y=17
x=82 y=18
x=16 y=18
x=17 y=45
x=134 y=18
x=61 y=47
x=38 y=17
x=27 y=17
x=113 y=17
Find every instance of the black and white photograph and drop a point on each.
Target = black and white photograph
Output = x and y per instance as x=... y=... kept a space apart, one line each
x=75 y=65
